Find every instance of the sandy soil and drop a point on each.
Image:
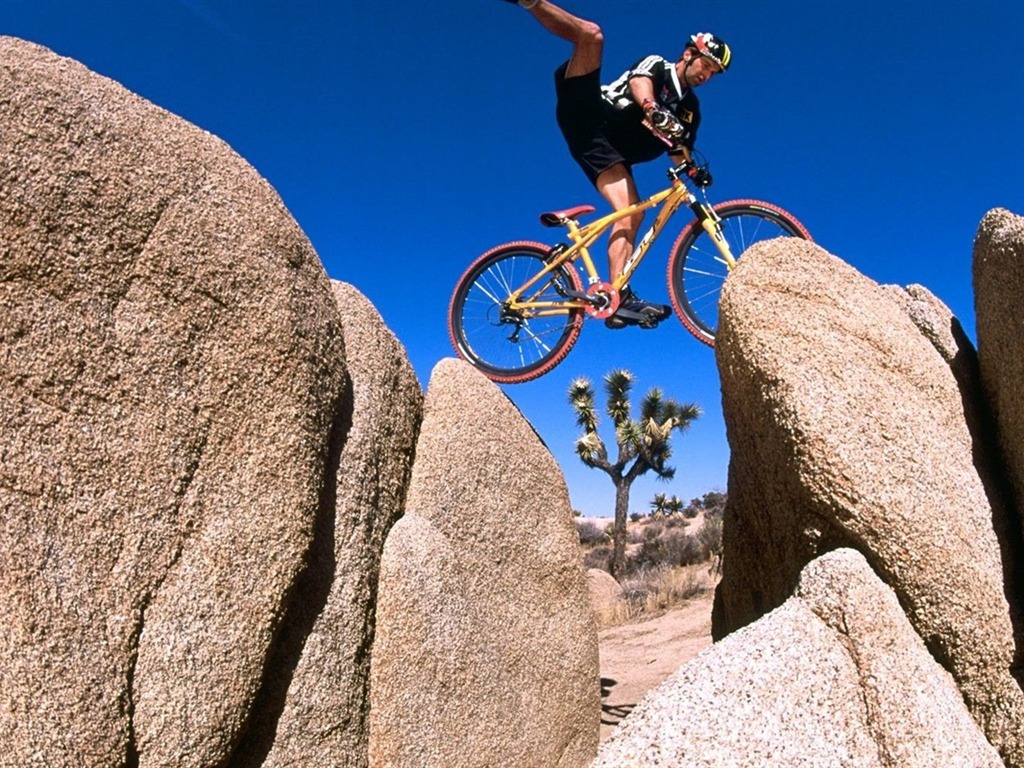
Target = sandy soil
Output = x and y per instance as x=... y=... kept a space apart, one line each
x=638 y=657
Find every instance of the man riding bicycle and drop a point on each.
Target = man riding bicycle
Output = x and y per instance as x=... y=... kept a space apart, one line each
x=604 y=126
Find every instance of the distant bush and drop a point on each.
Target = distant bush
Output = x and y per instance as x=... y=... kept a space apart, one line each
x=598 y=557
x=639 y=534
x=661 y=569
x=661 y=540
x=673 y=548
x=590 y=532
x=652 y=531
x=710 y=537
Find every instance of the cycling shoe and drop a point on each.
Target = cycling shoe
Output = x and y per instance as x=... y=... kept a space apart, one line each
x=635 y=311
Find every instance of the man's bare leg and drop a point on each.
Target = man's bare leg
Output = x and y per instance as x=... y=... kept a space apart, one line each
x=586 y=36
x=616 y=183
x=617 y=187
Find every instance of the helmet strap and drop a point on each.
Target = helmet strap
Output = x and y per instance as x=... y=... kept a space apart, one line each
x=689 y=63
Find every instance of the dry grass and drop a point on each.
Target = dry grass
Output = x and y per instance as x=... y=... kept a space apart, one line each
x=654 y=591
x=668 y=562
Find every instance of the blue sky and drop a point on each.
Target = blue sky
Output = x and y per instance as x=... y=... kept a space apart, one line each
x=408 y=137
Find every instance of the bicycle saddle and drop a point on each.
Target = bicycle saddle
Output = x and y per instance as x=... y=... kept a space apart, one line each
x=557 y=218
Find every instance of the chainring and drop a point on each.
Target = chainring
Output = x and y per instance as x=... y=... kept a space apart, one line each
x=606 y=309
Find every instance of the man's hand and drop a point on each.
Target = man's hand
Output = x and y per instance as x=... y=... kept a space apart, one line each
x=662 y=119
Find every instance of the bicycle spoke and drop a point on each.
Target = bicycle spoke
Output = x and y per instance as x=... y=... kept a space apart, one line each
x=512 y=341
x=697 y=270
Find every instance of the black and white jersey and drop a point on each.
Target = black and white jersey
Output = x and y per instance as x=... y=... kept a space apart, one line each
x=678 y=99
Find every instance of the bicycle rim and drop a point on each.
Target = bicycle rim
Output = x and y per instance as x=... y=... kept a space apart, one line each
x=697 y=271
x=512 y=347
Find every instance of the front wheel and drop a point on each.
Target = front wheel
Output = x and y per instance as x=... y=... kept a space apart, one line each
x=697 y=271
x=514 y=345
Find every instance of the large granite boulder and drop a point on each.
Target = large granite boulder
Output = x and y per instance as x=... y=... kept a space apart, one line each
x=486 y=648
x=320 y=675
x=847 y=429
x=938 y=324
x=834 y=676
x=998 y=282
x=170 y=364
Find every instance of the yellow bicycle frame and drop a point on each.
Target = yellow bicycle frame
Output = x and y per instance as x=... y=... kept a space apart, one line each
x=583 y=237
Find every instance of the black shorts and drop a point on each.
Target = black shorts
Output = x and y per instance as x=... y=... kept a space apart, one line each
x=582 y=115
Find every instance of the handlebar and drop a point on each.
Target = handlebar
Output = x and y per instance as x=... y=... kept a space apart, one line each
x=696 y=174
x=677 y=172
x=664 y=126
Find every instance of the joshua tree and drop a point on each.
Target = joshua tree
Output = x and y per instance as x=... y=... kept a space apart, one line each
x=659 y=505
x=673 y=506
x=665 y=506
x=643 y=444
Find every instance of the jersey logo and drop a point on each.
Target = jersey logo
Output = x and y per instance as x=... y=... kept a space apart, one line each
x=685 y=115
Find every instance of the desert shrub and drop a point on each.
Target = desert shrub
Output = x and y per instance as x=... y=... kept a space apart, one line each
x=614 y=614
x=710 y=535
x=634 y=534
x=598 y=557
x=714 y=502
x=652 y=531
x=673 y=548
x=711 y=503
x=636 y=517
x=590 y=533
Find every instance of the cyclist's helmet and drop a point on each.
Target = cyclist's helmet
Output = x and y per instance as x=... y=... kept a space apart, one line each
x=712 y=47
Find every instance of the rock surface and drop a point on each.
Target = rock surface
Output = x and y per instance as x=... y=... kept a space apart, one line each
x=869 y=693
x=170 y=363
x=604 y=591
x=848 y=429
x=324 y=714
x=486 y=648
x=998 y=280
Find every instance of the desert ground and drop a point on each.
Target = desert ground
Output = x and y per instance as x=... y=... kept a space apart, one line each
x=638 y=657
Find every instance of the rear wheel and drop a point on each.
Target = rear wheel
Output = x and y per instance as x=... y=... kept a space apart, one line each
x=506 y=345
x=697 y=271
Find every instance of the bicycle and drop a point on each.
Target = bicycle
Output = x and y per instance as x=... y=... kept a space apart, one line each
x=519 y=308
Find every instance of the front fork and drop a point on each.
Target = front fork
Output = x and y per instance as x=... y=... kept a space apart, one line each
x=711 y=222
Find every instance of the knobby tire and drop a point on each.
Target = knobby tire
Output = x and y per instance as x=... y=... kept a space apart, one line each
x=697 y=271
x=511 y=350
